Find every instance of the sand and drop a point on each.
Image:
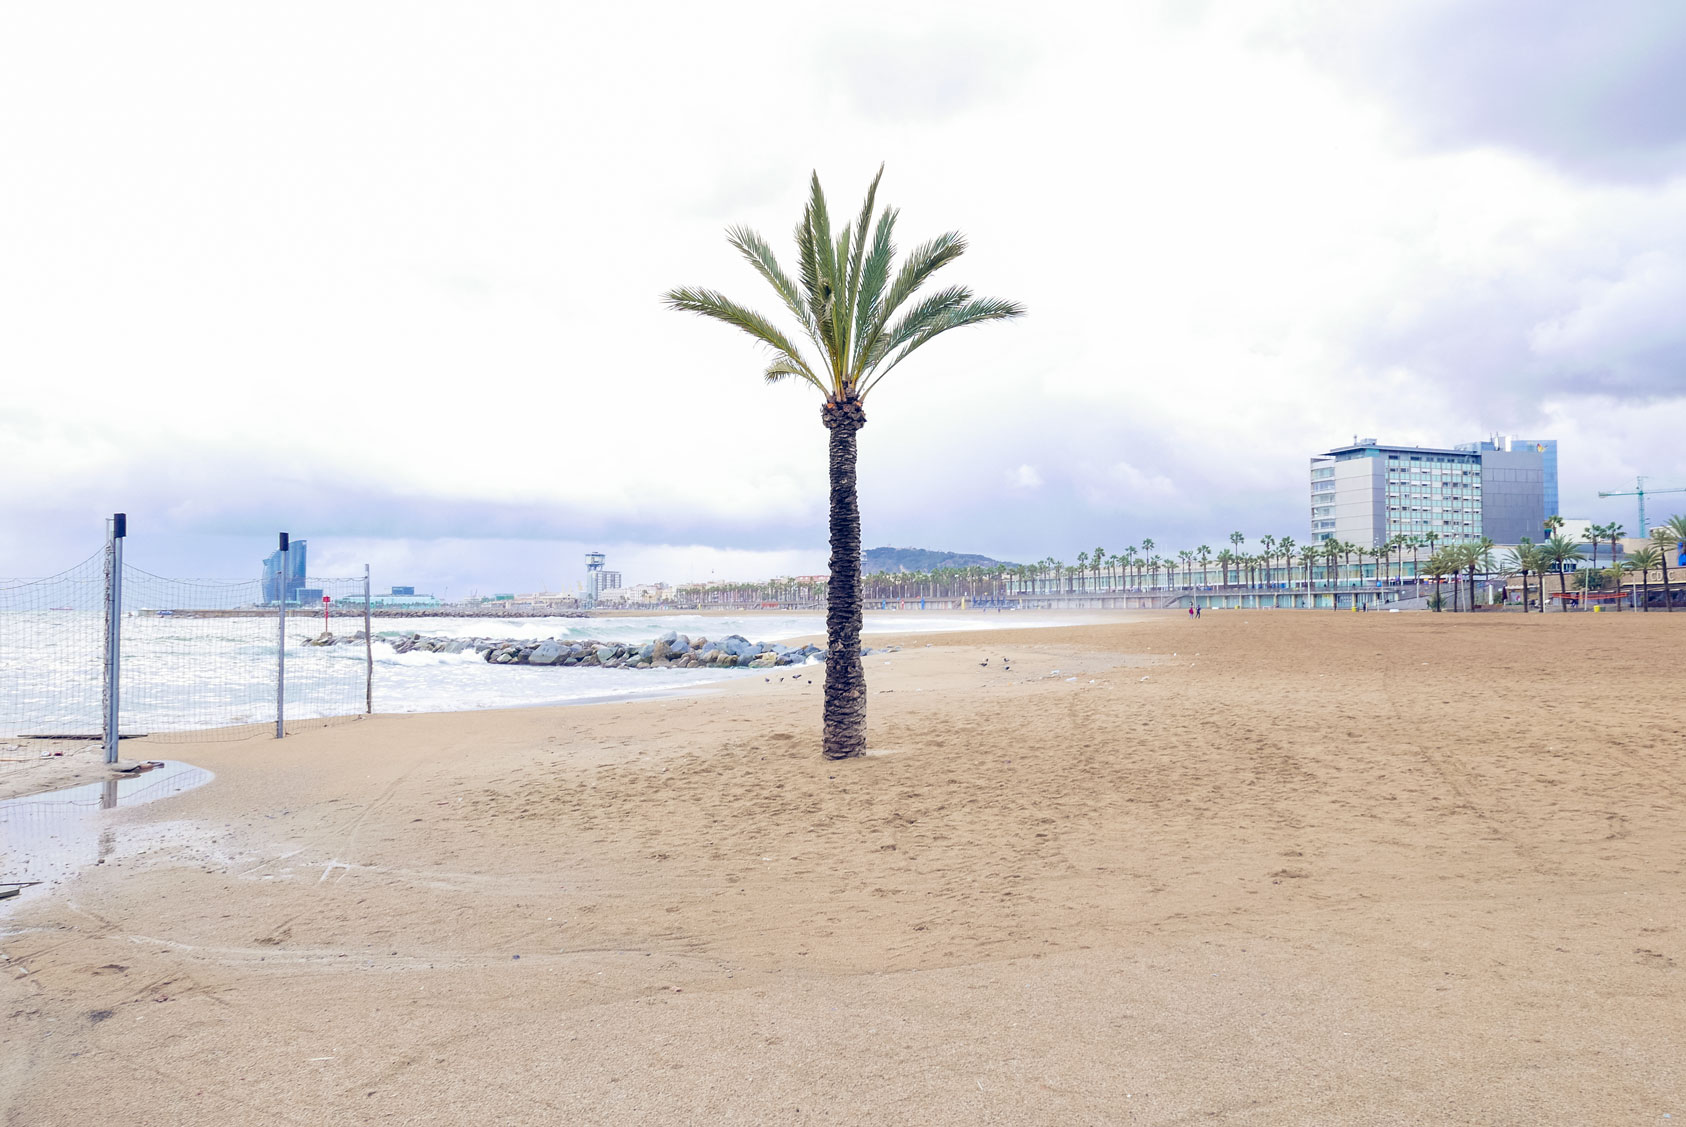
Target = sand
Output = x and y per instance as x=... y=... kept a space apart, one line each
x=1286 y=867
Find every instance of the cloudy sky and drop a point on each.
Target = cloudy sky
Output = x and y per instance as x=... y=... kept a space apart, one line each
x=387 y=275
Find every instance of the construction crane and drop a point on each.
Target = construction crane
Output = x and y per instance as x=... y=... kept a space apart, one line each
x=1640 y=491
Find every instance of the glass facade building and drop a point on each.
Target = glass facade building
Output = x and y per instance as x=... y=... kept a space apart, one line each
x=289 y=586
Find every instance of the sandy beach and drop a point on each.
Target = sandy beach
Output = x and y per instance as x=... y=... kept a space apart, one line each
x=1286 y=867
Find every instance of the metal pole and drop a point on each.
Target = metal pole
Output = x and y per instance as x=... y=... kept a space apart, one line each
x=368 y=650
x=118 y=529
x=281 y=643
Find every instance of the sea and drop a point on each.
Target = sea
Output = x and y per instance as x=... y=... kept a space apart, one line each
x=181 y=673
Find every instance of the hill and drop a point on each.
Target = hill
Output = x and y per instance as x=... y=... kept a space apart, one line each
x=920 y=559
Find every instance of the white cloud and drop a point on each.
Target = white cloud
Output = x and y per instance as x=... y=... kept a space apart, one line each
x=390 y=276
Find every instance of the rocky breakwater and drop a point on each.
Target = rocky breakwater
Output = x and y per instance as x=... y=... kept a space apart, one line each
x=672 y=650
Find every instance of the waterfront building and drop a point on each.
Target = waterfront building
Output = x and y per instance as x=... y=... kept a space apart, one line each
x=290 y=586
x=642 y=594
x=1366 y=493
x=543 y=600
x=399 y=598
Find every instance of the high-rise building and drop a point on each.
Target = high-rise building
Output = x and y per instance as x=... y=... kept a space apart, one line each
x=1546 y=448
x=290 y=586
x=596 y=579
x=1367 y=493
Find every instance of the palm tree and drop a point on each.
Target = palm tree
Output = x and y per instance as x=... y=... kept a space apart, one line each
x=1552 y=524
x=1644 y=560
x=1287 y=547
x=1479 y=555
x=1205 y=553
x=1594 y=535
x=1555 y=553
x=1668 y=537
x=1225 y=558
x=1521 y=561
x=1438 y=565
x=1331 y=553
x=860 y=315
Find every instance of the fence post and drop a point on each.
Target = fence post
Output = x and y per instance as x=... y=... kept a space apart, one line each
x=281 y=643
x=116 y=530
x=368 y=651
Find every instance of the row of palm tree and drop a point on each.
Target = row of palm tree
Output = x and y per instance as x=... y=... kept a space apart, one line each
x=1557 y=551
x=1327 y=565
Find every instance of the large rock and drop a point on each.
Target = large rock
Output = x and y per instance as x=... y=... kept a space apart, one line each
x=546 y=653
x=659 y=651
x=762 y=661
x=670 y=637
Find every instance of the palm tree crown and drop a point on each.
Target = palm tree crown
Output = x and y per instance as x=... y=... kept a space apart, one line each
x=848 y=300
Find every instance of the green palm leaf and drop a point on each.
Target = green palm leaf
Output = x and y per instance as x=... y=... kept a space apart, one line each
x=708 y=303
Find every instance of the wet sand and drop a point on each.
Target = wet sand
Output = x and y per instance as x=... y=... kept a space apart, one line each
x=1261 y=868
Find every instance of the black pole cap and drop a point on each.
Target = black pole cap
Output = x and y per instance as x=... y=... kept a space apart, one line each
x=283 y=541
x=120 y=525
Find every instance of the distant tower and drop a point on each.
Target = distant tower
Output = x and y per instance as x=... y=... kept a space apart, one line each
x=593 y=576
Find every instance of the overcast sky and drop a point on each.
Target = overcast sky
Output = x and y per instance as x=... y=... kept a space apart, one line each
x=387 y=276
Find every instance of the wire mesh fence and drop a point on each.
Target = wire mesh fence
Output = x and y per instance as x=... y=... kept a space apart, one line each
x=194 y=659
x=200 y=658
x=52 y=638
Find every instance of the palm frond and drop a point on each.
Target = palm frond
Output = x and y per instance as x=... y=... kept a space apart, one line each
x=974 y=312
x=924 y=313
x=875 y=274
x=856 y=259
x=785 y=366
x=841 y=314
x=820 y=270
x=926 y=259
x=759 y=255
x=808 y=268
x=709 y=303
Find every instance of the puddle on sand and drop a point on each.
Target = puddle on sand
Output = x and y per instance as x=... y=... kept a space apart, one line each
x=50 y=837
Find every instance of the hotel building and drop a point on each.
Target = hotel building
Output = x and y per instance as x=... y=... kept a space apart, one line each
x=1367 y=493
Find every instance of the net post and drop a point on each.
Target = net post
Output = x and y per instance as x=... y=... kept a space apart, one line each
x=116 y=530
x=368 y=651
x=281 y=642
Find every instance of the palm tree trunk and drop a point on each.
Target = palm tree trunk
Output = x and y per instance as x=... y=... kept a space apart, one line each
x=845 y=681
x=1668 y=591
